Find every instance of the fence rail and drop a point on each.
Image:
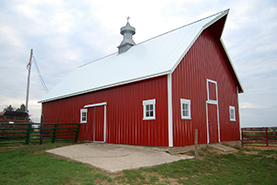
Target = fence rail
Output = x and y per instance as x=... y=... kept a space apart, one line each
x=34 y=133
x=259 y=136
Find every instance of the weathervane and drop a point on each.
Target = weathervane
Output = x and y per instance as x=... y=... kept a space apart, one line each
x=128 y=18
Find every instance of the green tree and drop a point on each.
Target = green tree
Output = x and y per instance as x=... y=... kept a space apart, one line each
x=9 y=108
x=21 y=108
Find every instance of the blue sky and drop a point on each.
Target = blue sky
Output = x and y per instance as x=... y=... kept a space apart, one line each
x=66 y=34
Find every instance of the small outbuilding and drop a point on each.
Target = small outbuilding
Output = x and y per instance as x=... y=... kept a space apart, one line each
x=14 y=116
x=156 y=92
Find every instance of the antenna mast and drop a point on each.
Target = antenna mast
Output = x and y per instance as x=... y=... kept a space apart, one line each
x=28 y=80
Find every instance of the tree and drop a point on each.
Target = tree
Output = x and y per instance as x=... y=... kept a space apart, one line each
x=9 y=108
x=21 y=108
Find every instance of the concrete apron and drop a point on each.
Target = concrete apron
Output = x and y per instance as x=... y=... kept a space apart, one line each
x=114 y=158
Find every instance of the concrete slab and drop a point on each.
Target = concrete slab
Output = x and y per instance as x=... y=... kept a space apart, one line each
x=184 y=149
x=115 y=158
x=222 y=147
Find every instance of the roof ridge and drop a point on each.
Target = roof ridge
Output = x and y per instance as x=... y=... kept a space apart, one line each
x=183 y=26
x=156 y=37
x=97 y=60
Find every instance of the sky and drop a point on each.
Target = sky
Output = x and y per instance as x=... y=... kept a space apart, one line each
x=65 y=34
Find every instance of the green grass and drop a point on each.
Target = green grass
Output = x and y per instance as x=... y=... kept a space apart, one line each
x=258 y=167
x=31 y=165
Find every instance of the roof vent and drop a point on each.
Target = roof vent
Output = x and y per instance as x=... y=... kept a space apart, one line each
x=127 y=31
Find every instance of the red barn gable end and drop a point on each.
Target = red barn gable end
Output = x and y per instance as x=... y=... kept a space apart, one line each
x=154 y=93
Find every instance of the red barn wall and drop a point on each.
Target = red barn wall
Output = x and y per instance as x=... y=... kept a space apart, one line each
x=203 y=61
x=125 y=124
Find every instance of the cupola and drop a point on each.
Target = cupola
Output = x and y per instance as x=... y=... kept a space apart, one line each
x=127 y=31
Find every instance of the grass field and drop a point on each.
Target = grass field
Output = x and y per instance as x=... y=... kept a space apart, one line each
x=31 y=165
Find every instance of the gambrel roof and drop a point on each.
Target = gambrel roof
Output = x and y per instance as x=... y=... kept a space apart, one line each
x=151 y=58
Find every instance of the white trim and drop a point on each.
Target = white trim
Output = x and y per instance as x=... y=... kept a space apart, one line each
x=170 y=119
x=214 y=102
x=232 y=108
x=238 y=113
x=105 y=122
x=81 y=115
x=149 y=102
x=95 y=105
x=227 y=54
x=207 y=123
x=186 y=51
x=218 y=123
x=187 y=102
x=223 y=13
x=208 y=93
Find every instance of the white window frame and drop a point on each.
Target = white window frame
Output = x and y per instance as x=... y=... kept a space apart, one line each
x=186 y=102
x=81 y=115
x=149 y=102
x=232 y=116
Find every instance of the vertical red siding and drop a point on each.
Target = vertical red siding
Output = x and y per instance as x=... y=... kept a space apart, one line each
x=125 y=124
x=203 y=61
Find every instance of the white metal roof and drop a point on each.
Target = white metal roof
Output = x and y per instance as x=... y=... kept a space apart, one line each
x=154 y=57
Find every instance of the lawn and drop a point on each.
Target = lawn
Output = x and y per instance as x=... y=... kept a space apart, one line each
x=31 y=165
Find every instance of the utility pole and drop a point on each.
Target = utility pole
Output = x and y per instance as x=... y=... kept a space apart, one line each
x=28 y=81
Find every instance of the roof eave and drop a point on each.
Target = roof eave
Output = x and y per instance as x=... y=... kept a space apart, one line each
x=106 y=86
x=234 y=71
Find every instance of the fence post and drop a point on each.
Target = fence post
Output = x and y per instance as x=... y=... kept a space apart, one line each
x=266 y=135
x=28 y=133
x=77 y=133
x=196 y=144
x=54 y=133
x=242 y=137
x=41 y=133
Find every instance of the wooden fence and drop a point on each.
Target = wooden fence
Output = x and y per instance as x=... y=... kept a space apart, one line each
x=260 y=136
x=36 y=133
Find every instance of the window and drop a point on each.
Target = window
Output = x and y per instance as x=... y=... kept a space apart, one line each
x=83 y=115
x=149 y=109
x=185 y=109
x=232 y=113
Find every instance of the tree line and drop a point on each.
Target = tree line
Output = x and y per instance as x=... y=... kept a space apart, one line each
x=21 y=108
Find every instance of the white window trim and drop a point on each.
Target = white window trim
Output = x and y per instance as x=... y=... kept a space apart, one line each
x=149 y=102
x=81 y=113
x=232 y=108
x=210 y=101
x=188 y=102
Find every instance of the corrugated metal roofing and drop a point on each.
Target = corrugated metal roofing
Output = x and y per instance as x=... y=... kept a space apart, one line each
x=154 y=57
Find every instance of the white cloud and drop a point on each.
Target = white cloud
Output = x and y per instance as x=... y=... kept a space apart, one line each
x=247 y=105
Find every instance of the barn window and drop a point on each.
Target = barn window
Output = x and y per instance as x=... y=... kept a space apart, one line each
x=185 y=109
x=232 y=113
x=149 y=109
x=84 y=115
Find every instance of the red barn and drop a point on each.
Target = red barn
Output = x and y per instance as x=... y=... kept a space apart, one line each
x=156 y=92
